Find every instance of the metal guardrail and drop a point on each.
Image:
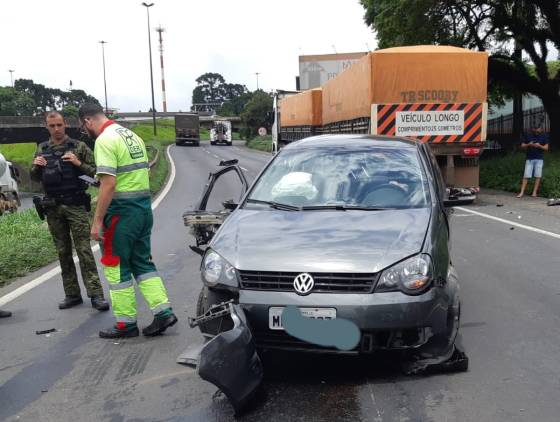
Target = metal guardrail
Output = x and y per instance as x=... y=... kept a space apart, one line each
x=154 y=161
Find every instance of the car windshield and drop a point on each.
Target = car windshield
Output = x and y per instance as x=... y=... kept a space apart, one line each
x=369 y=178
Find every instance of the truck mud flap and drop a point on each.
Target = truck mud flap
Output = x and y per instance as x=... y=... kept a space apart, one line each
x=229 y=360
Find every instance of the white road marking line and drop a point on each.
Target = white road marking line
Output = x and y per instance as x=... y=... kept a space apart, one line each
x=511 y=223
x=464 y=215
x=56 y=270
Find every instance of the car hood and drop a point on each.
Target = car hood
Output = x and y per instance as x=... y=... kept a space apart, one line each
x=320 y=241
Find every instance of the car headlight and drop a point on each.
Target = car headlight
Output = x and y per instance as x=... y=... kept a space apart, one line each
x=410 y=276
x=216 y=270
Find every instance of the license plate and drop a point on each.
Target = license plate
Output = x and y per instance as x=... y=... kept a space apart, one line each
x=275 y=315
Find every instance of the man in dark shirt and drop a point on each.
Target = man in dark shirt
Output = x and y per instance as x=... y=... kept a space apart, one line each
x=536 y=143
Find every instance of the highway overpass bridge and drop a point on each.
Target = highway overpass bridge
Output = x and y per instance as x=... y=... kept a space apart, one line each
x=19 y=129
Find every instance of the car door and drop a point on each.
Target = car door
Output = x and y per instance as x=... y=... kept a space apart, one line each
x=210 y=213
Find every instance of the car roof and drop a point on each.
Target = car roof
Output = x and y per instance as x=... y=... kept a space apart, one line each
x=353 y=141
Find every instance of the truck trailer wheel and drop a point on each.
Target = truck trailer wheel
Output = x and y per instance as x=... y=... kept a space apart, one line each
x=206 y=299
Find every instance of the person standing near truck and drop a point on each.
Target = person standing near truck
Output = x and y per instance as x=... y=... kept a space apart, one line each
x=57 y=165
x=536 y=143
x=123 y=223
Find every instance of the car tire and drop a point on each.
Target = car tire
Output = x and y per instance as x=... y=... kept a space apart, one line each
x=206 y=299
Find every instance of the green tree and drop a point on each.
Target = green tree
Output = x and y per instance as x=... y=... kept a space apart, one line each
x=257 y=112
x=15 y=103
x=237 y=97
x=210 y=88
x=70 y=110
x=504 y=28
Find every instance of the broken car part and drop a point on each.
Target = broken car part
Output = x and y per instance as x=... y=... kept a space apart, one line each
x=229 y=360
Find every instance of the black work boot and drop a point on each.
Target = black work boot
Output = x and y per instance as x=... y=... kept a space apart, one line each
x=120 y=330
x=161 y=322
x=98 y=302
x=70 y=301
x=5 y=314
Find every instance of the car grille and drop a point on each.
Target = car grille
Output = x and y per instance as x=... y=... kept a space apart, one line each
x=324 y=282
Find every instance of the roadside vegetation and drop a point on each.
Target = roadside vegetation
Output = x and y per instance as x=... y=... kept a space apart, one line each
x=25 y=241
x=505 y=173
x=261 y=143
x=25 y=245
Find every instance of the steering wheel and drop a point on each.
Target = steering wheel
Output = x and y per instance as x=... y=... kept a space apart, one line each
x=385 y=195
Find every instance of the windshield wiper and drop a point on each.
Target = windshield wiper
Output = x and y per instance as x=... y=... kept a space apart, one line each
x=275 y=205
x=342 y=207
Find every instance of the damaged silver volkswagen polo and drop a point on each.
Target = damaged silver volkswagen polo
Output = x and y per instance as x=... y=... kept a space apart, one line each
x=341 y=226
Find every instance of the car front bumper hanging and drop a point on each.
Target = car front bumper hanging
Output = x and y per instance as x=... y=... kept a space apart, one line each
x=228 y=360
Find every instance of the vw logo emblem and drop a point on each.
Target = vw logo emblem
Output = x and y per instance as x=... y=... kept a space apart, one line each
x=303 y=284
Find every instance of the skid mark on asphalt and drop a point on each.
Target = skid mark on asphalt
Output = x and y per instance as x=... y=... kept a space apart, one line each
x=135 y=363
x=100 y=364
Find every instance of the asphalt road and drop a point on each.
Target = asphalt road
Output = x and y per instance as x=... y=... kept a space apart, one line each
x=511 y=332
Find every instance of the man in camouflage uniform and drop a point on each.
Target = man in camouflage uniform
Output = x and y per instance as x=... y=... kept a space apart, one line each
x=57 y=165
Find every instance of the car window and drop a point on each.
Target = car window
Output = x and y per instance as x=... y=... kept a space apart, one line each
x=385 y=177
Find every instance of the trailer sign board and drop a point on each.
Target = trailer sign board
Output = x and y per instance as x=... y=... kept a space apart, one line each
x=431 y=122
x=420 y=123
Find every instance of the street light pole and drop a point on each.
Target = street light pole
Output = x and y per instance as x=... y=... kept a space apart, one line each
x=12 y=76
x=151 y=71
x=104 y=77
x=257 y=73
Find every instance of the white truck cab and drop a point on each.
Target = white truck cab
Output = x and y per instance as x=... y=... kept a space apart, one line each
x=9 y=194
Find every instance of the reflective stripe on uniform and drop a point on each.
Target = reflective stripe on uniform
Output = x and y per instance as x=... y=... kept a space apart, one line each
x=146 y=276
x=134 y=194
x=132 y=167
x=162 y=307
x=122 y=318
x=121 y=285
x=107 y=170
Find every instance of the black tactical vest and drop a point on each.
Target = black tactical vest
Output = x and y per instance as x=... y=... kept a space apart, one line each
x=61 y=177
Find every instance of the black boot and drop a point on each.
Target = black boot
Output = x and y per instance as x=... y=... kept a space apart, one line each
x=5 y=314
x=98 y=302
x=70 y=301
x=120 y=330
x=160 y=324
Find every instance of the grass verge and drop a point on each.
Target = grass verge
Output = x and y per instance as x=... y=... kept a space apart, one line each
x=25 y=245
x=505 y=173
x=261 y=143
x=25 y=242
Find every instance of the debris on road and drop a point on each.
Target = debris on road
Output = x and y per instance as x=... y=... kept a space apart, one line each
x=499 y=204
x=50 y=330
x=553 y=201
x=228 y=360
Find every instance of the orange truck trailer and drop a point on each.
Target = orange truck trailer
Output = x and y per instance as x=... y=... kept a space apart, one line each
x=436 y=94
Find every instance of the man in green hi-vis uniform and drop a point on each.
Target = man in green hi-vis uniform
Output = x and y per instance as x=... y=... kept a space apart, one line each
x=123 y=222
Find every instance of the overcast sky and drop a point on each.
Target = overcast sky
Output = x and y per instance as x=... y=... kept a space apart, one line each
x=53 y=42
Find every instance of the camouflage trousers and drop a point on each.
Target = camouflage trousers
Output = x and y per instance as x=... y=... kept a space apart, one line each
x=70 y=223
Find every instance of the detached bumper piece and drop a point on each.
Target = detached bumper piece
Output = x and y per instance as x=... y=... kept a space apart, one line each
x=228 y=360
